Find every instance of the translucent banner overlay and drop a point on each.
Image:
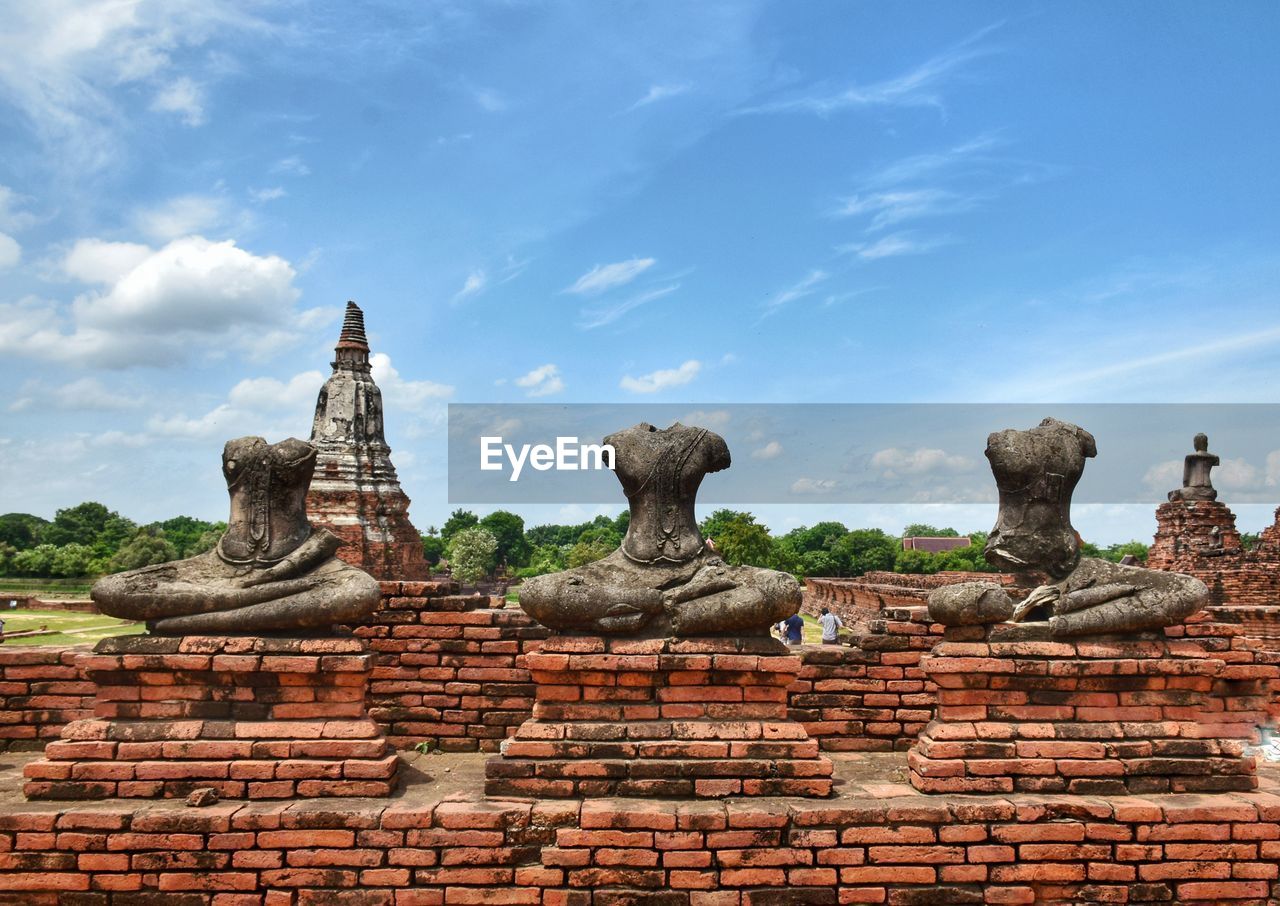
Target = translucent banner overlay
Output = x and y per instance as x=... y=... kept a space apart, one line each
x=861 y=453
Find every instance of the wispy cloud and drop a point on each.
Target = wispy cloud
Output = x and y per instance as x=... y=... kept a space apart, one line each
x=271 y=193
x=771 y=450
x=541 y=381
x=806 y=287
x=183 y=97
x=489 y=100
x=475 y=283
x=917 y=87
x=592 y=318
x=893 y=245
x=293 y=165
x=659 y=93
x=894 y=207
x=605 y=277
x=663 y=379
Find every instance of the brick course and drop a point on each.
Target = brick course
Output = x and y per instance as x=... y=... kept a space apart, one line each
x=1189 y=849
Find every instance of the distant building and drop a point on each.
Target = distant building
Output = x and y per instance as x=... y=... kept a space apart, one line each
x=355 y=492
x=934 y=545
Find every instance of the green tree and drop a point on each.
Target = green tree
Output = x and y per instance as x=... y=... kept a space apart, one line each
x=7 y=553
x=208 y=539
x=472 y=553
x=183 y=532
x=714 y=525
x=585 y=552
x=432 y=548
x=72 y=560
x=924 y=530
x=508 y=530
x=457 y=521
x=865 y=550
x=744 y=542
x=914 y=561
x=80 y=524
x=21 y=530
x=145 y=548
x=1136 y=549
x=37 y=561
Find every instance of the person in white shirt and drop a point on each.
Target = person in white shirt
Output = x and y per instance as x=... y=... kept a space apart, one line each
x=830 y=627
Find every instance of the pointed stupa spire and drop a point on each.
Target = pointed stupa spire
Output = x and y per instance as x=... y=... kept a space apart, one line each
x=353 y=345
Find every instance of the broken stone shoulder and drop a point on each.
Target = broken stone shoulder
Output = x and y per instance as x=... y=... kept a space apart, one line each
x=664 y=580
x=1036 y=472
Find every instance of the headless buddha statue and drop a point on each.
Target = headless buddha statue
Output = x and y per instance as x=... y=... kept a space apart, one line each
x=270 y=572
x=1036 y=472
x=664 y=580
x=1197 y=483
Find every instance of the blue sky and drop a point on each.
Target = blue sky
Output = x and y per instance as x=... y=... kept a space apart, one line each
x=598 y=202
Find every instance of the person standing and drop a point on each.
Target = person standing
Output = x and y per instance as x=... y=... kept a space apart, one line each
x=795 y=629
x=831 y=625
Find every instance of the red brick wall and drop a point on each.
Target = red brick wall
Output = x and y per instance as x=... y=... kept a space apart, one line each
x=871 y=696
x=40 y=691
x=449 y=669
x=606 y=852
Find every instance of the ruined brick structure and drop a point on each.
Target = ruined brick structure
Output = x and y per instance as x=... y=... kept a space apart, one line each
x=858 y=601
x=355 y=492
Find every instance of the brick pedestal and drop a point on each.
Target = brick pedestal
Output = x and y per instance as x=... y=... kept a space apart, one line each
x=1101 y=715
x=256 y=718
x=660 y=718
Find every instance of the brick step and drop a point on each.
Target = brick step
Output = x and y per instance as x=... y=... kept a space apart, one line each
x=682 y=787
x=684 y=730
x=226 y=789
x=658 y=749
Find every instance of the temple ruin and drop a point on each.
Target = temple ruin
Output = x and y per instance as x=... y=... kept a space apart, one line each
x=355 y=492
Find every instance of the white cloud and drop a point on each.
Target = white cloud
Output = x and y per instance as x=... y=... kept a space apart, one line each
x=191 y=296
x=895 y=462
x=893 y=245
x=184 y=97
x=604 y=277
x=659 y=93
x=771 y=450
x=814 y=486
x=1272 y=468
x=184 y=215
x=402 y=394
x=916 y=87
x=663 y=379
x=291 y=166
x=11 y=218
x=805 y=287
x=1237 y=474
x=715 y=419
x=83 y=395
x=1164 y=476
x=541 y=381
x=268 y=194
x=599 y=317
x=10 y=251
x=475 y=283
x=99 y=261
x=268 y=393
x=62 y=61
x=896 y=206
x=490 y=100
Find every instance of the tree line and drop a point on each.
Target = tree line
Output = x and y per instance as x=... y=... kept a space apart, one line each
x=475 y=547
x=90 y=540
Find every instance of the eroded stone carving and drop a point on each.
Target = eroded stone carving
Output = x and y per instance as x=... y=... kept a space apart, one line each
x=1196 y=468
x=1036 y=472
x=664 y=580
x=270 y=572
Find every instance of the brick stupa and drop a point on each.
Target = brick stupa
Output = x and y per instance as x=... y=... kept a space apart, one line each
x=355 y=492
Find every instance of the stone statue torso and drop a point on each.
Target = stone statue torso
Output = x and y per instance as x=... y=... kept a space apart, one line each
x=1036 y=472
x=660 y=471
x=268 y=488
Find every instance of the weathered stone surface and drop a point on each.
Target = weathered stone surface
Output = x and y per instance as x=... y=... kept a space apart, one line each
x=270 y=572
x=664 y=580
x=355 y=492
x=970 y=604
x=1196 y=481
x=1036 y=472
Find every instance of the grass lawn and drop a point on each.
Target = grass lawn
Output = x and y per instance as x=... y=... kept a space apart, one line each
x=47 y=588
x=66 y=623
